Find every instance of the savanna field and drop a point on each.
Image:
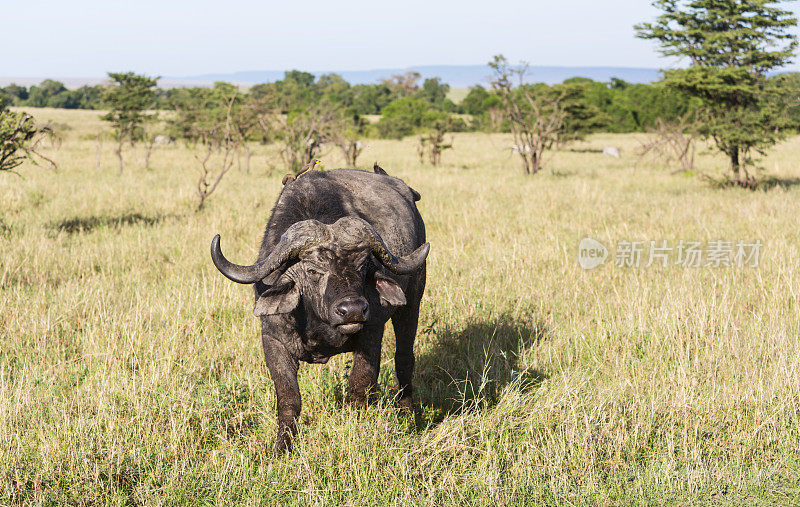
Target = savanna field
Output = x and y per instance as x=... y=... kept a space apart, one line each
x=131 y=370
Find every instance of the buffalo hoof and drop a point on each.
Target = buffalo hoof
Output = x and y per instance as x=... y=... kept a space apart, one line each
x=359 y=402
x=405 y=404
x=283 y=443
x=281 y=447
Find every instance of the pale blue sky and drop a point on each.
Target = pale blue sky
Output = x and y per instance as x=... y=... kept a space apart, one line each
x=83 y=38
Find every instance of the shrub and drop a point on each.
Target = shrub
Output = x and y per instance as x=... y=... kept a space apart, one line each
x=19 y=138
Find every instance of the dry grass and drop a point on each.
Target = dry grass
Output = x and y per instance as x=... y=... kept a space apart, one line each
x=131 y=371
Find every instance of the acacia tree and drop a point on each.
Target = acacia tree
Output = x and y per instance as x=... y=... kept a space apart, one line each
x=405 y=84
x=19 y=139
x=244 y=124
x=224 y=104
x=730 y=45
x=300 y=133
x=535 y=115
x=150 y=133
x=128 y=97
x=433 y=143
x=221 y=143
x=346 y=134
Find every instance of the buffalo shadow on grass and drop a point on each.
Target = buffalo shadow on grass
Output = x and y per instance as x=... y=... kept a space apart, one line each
x=458 y=370
x=467 y=368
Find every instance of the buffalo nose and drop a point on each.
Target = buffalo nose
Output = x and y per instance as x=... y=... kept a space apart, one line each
x=352 y=310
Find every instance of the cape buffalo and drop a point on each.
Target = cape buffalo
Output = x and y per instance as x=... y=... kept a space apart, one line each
x=343 y=252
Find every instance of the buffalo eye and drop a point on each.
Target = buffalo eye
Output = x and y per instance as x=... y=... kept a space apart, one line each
x=312 y=272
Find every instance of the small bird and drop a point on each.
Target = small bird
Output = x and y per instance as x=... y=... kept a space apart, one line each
x=309 y=166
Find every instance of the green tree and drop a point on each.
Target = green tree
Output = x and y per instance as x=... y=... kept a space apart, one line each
x=790 y=83
x=68 y=99
x=262 y=90
x=402 y=117
x=41 y=95
x=300 y=78
x=371 y=99
x=731 y=45
x=190 y=105
x=15 y=93
x=580 y=116
x=296 y=91
x=128 y=98
x=334 y=89
x=434 y=92
x=90 y=97
x=475 y=103
x=19 y=138
x=433 y=142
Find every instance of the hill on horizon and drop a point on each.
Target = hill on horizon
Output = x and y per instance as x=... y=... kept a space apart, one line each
x=457 y=76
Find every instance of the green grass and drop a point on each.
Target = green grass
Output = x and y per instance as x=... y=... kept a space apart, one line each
x=131 y=371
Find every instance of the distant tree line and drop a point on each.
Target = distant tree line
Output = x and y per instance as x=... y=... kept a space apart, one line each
x=407 y=107
x=50 y=93
x=727 y=95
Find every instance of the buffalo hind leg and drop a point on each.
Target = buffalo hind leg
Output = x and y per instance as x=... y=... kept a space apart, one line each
x=363 y=381
x=283 y=370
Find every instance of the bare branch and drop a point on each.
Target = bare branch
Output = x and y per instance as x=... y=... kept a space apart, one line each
x=220 y=141
x=673 y=142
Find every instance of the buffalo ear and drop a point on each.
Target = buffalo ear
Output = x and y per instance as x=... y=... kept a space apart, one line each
x=278 y=299
x=391 y=293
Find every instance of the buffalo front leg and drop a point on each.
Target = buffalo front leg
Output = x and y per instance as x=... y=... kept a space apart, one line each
x=363 y=382
x=405 y=332
x=283 y=370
